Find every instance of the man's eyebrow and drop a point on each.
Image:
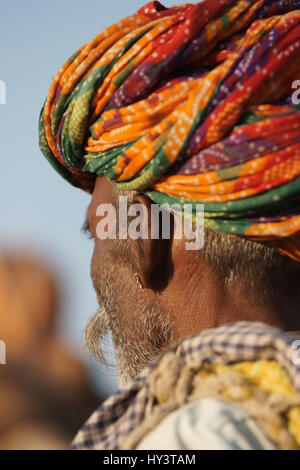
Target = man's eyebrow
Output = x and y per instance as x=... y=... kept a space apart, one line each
x=85 y=228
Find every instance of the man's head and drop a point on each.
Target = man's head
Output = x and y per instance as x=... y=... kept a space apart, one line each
x=184 y=291
x=178 y=105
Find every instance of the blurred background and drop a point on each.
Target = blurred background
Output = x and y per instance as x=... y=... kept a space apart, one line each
x=49 y=384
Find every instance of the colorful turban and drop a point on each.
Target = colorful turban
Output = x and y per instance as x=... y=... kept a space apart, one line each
x=189 y=104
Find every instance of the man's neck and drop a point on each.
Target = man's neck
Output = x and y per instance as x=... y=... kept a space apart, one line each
x=215 y=305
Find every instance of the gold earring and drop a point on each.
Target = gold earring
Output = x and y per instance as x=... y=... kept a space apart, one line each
x=138 y=281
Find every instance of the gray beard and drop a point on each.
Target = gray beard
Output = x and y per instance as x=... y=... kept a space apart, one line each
x=135 y=347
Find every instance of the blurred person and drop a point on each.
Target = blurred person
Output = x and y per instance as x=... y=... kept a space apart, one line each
x=41 y=383
x=191 y=104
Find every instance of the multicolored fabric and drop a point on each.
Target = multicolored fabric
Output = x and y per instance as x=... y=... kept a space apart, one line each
x=189 y=104
x=118 y=417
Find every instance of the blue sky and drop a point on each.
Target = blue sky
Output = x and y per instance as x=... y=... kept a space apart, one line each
x=39 y=210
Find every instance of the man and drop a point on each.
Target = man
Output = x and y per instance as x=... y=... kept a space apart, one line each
x=191 y=104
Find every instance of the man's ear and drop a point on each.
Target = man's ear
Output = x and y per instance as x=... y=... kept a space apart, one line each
x=151 y=251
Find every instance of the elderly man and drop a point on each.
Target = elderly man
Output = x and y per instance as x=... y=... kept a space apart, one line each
x=191 y=105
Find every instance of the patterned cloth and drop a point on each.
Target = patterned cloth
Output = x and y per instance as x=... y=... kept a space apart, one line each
x=122 y=413
x=189 y=104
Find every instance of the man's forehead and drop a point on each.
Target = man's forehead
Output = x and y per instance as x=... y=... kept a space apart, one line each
x=102 y=194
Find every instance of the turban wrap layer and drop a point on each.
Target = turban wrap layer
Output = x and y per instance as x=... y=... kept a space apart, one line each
x=189 y=104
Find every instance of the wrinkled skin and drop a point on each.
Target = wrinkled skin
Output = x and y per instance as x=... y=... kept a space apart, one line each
x=182 y=294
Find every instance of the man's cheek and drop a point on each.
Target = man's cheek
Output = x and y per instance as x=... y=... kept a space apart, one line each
x=100 y=262
x=101 y=247
x=96 y=263
x=96 y=276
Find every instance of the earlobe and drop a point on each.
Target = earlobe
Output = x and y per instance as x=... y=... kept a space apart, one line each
x=152 y=250
x=138 y=281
